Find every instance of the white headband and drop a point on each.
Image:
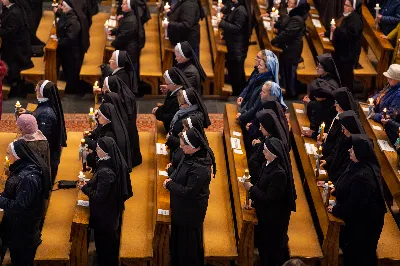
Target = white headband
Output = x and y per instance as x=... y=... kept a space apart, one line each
x=43 y=85
x=168 y=77
x=116 y=57
x=128 y=2
x=180 y=49
x=104 y=116
x=186 y=98
x=354 y=4
x=13 y=151
x=187 y=140
x=189 y=120
x=298 y=1
x=66 y=5
x=265 y=148
x=106 y=83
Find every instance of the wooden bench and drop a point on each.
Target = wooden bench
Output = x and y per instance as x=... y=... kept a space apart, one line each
x=138 y=220
x=251 y=55
x=330 y=225
x=206 y=58
x=56 y=233
x=44 y=67
x=90 y=71
x=5 y=91
x=219 y=234
x=380 y=47
x=301 y=227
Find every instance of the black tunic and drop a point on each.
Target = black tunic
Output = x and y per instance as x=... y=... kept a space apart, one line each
x=99 y=132
x=166 y=112
x=184 y=23
x=192 y=74
x=334 y=134
x=16 y=45
x=124 y=76
x=338 y=160
x=320 y=111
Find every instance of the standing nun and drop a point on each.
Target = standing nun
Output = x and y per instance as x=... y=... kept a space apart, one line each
x=50 y=118
x=189 y=192
x=23 y=200
x=174 y=81
x=236 y=25
x=128 y=99
x=360 y=203
x=190 y=65
x=107 y=190
x=274 y=197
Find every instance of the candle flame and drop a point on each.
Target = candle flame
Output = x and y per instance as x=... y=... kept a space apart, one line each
x=18 y=104
x=371 y=101
x=81 y=173
x=384 y=110
x=96 y=84
x=7 y=160
x=320 y=148
x=333 y=22
x=91 y=110
x=323 y=124
x=273 y=9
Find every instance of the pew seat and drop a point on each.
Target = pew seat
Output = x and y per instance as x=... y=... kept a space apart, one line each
x=150 y=62
x=55 y=247
x=90 y=71
x=250 y=61
x=138 y=220
x=5 y=91
x=206 y=59
x=366 y=73
x=306 y=71
x=388 y=250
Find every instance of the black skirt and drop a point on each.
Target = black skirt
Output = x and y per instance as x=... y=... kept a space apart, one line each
x=186 y=246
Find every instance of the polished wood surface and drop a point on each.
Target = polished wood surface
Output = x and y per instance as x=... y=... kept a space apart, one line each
x=250 y=61
x=206 y=59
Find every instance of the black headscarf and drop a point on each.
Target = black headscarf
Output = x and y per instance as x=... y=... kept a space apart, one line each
x=25 y=153
x=320 y=88
x=345 y=99
x=189 y=53
x=350 y=121
x=272 y=103
x=329 y=66
x=115 y=84
x=192 y=97
x=193 y=121
x=177 y=77
x=195 y=139
x=50 y=91
x=84 y=34
x=114 y=99
x=271 y=124
x=277 y=147
x=121 y=170
x=122 y=59
x=119 y=129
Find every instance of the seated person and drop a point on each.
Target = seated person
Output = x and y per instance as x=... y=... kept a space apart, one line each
x=326 y=70
x=320 y=110
x=392 y=127
x=174 y=81
x=389 y=97
x=389 y=16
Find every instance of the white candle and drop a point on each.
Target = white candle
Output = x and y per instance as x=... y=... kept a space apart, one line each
x=333 y=23
x=91 y=111
x=165 y=21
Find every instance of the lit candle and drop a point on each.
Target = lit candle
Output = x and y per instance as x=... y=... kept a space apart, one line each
x=81 y=176
x=322 y=130
x=384 y=112
x=276 y=16
x=273 y=10
x=18 y=105
x=165 y=22
x=54 y=4
x=333 y=23
x=371 y=101
x=167 y=6
x=91 y=112
x=320 y=150
x=7 y=161
x=106 y=24
x=377 y=8
x=86 y=133
x=246 y=178
x=96 y=90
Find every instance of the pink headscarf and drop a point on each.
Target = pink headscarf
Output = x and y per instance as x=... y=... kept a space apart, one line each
x=28 y=125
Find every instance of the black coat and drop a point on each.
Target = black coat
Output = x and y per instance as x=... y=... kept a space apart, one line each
x=347 y=39
x=339 y=158
x=124 y=76
x=129 y=36
x=16 y=45
x=68 y=31
x=331 y=80
x=270 y=196
x=184 y=23
x=192 y=74
x=23 y=204
x=334 y=134
x=189 y=191
x=320 y=111
x=166 y=112
x=102 y=191
x=236 y=35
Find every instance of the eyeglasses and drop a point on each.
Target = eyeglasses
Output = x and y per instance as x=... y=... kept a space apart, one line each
x=348 y=5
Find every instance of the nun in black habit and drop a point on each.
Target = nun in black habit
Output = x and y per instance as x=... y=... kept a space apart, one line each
x=274 y=197
x=190 y=65
x=16 y=45
x=360 y=203
x=174 y=81
x=122 y=67
x=344 y=101
x=326 y=69
x=236 y=26
x=50 y=119
x=107 y=190
x=110 y=124
x=190 y=104
x=73 y=42
x=338 y=160
x=114 y=84
x=26 y=190
x=189 y=193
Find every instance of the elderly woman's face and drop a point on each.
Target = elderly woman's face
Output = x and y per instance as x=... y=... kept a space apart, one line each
x=320 y=70
x=186 y=148
x=264 y=131
x=393 y=82
x=258 y=58
x=170 y=86
x=265 y=91
x=125 y=7
x=179 y=58
x=292 y=3
x=113 y=62
x=5 y=2
x=353 y=155
x=348 y=6
x=268 y=155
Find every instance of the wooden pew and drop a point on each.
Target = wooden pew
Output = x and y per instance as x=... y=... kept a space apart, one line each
x=251 y=55
x=380 y=47
x=5 y=91
x=56 y=233
x=90 y=71
x=330 y=225
x=44 y=67
x=219 y=235
x=206 y=57
x=306 y=71
x=138 y=220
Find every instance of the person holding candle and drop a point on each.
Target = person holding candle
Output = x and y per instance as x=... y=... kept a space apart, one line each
x=290 y=39
x=360 y=203
x=50 y=119
x=274 y=198
x=389 y=16
x=391 y=125
x=189 y=194
x=26 y=190
x=236 y=26
x=389 y=97
x=107 y=190
x=175 y=80
x=190 y=65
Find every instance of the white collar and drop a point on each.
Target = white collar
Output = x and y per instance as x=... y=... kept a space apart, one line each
x=177 y=89
x=42 y=100
x=116 y=70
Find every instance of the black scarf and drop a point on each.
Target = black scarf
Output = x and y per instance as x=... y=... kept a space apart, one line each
x=271 y=124
x=345 y=99
x=114 y=99
x=194 y=98
x=189 y=53
x=123 y=60
x=127 y=97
